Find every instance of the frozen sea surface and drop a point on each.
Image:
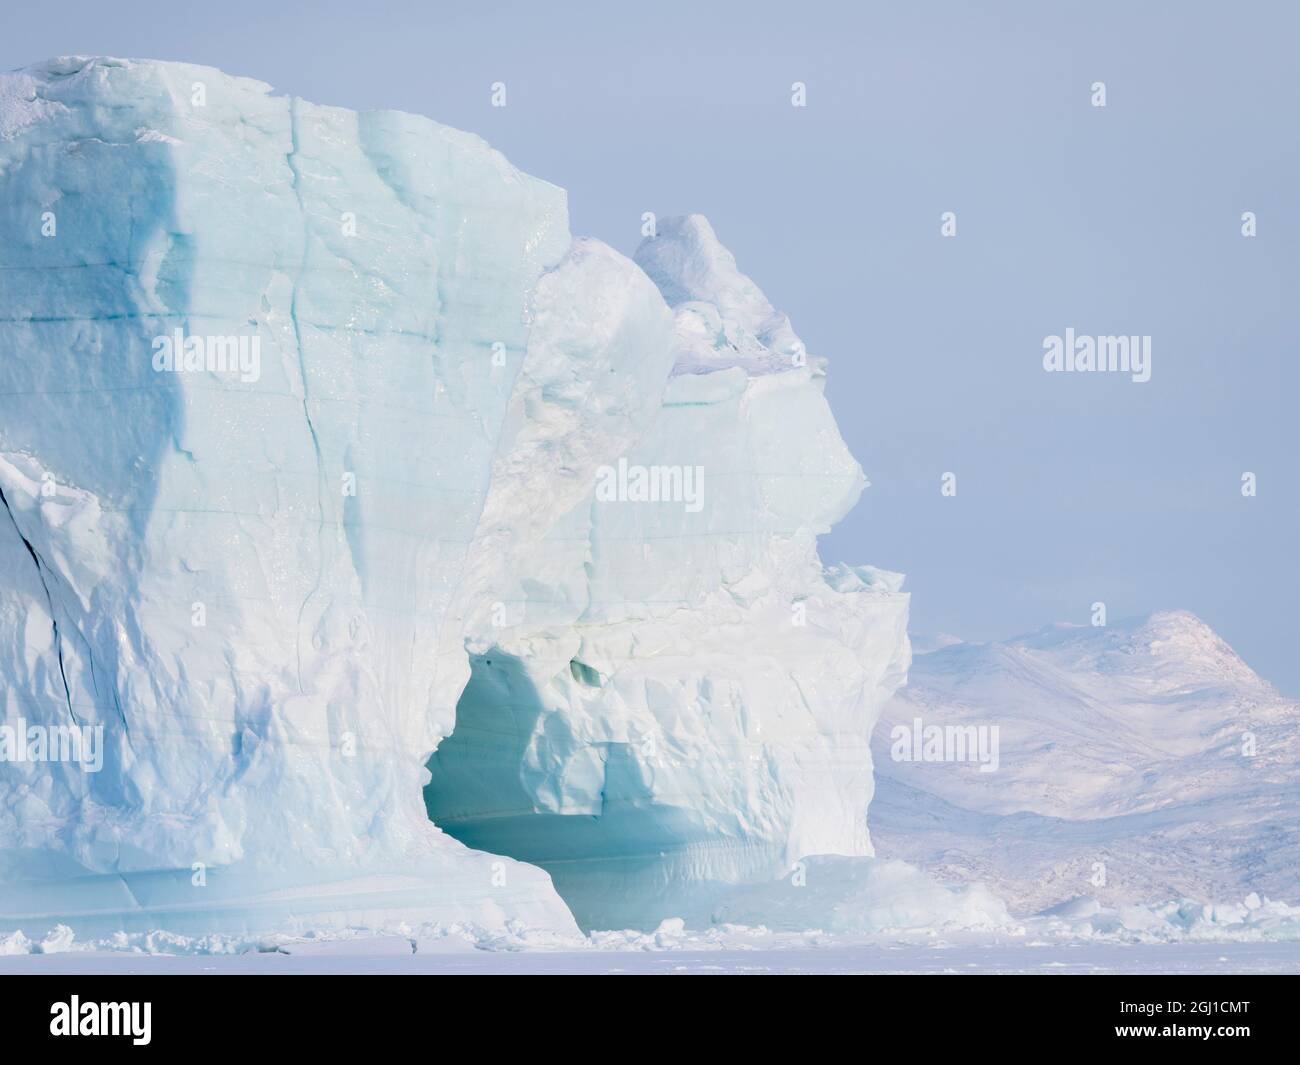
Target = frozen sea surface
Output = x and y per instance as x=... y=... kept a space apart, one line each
x=1006 y=956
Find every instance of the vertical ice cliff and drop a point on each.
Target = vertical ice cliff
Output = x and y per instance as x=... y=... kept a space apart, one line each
x=384 y=501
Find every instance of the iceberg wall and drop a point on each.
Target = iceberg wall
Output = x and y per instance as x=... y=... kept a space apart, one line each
x=349 y=500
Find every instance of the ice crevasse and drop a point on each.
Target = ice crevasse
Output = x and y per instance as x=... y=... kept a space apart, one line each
x=484 y=589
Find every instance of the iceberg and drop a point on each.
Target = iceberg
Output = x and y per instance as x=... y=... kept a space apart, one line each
x=409 y=559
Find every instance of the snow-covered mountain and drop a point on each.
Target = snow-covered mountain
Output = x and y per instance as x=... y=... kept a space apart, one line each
x=1140 y=761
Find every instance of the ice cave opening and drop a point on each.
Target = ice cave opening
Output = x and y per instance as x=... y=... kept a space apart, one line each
x=513 y=779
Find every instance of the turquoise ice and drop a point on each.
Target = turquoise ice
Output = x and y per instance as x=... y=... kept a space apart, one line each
x=334 y=576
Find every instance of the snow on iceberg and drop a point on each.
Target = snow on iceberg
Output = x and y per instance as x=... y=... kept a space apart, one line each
x=404 y=549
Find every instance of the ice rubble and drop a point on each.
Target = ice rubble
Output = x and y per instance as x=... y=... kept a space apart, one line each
x=273 y=590
x=900 y=911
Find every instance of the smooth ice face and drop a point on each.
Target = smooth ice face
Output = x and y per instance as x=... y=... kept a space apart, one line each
x=314 y=424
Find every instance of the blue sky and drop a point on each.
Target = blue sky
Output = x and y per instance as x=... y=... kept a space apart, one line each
x=1124 y=219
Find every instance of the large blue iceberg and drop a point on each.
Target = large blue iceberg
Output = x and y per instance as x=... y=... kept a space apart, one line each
x=403 y=557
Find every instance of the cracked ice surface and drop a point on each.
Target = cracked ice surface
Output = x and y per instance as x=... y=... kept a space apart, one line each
x=272 y=593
